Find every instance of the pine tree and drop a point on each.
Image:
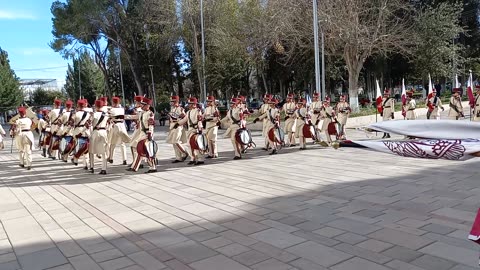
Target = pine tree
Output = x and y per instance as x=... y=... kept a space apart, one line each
x=10 y=94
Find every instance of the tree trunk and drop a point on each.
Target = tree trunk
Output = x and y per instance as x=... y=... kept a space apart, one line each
x=354 y=66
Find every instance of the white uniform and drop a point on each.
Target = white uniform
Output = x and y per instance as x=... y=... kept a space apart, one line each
x=272 y=115
x=211 y=116
x=117 y=134
x=315 y=108
x=476 y=109
x=81 y=132
x=263 y=109
x=388 y=104
x=54 y=117
x=456 y=109
x=99 y=139
x=289 y=109
x=175 y=134
x=301 y=116
x=326 y=114
x=24 y=141
x=234 y=118
x=146 y=121
x=436 y=103
x=410 y=109
x=191 y=119
x=2 y=133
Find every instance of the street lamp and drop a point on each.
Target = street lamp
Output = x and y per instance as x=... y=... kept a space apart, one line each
x=204 y=93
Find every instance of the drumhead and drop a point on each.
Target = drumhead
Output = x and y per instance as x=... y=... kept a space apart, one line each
x=152 y=148
x=202 y=142
x=63 y=145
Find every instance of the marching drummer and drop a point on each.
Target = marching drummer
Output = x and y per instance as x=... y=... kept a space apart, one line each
x=81 y=131
x=117 y=135
x=146 y=122
x=235 y=118
x=342 y=110
x=42 y=129
x=327 y=114
x=289 y=109
x=175 y=133
x=273 y=126
x=24 y=138
x=315 y=108
x=388 y=113
x=99 y=138
x=212 y=119
x=136 y=116
x=193 y=120
x=263 y=109
x=65 y=129
x=54 y=117
x=301 y=115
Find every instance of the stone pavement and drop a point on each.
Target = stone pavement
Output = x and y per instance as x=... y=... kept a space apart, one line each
x=346 y=209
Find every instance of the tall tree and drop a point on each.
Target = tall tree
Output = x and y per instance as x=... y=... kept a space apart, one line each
x=10 y=94
x=44 y=97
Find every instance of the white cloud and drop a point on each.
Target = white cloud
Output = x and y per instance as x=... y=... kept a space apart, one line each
x=16 y=15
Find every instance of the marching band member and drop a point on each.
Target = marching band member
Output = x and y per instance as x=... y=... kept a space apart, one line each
x=42 y=130
x=136 y=116
x=235 y=117
x=105 y=107
x=315 y=108
x=476 y=108
x=54 y=116
x=99 y=138
x=342 y=111
x=64 y=129
x=410 y=107
x=24 y=138
x=263 y=109
x=456 y=108
x=301 y=115
x=244 y=108
x=434 y=103
x=388 y=105
x=327 y=113
x=117 y=134
x=273 y=117
x=193 y=120
x=2 y=134
x=289 y=109
x=212 y=118
x=175 y=132
x=81 y=131
x=146 y=120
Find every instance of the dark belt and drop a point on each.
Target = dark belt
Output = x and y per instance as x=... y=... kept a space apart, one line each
x=145 y=130
x=80 y=126
x=101 y=128
x=387 y=107
x=25 y=130
x=118 y=121
x=412 y=109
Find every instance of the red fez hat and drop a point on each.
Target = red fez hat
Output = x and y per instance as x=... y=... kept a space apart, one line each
x=104 y=99
x=211 y=98
x=242 y=98
x=316 y=95
x=146 y=101
x=290 y=96
x=174 y=98
x=192 y=100
x=409 y=94
x=234 y=100
x=386 y=92
x=327 y=99
x=116 y=99
x=138 y=98
x=44 y=112
x=22 y=110
x=273 y=101
x=57 y=102
x=69 y=103
x=302 y=101
x=457 y=90
x=477 y=87
x=99 y=103
x=81 y=102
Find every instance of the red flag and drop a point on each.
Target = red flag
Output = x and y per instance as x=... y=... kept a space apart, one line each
x=471 y=97
x=404 y=99
x=379 y=99
x=475 y=232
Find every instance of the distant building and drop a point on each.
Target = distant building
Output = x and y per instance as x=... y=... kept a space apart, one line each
x=29 y=85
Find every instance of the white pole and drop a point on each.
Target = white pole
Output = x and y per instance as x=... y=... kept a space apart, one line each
x=204 y=92
x=317 y=51
x=324 y=94
x=121 y=75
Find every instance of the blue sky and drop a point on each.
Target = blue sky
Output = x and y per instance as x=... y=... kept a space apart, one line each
x=25 y=32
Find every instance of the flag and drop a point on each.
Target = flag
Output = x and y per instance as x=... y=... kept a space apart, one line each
x=309 y=99
x=404 y=98
x=379 y=99
x=430 y=85
x=457 y=83
x=471 y=97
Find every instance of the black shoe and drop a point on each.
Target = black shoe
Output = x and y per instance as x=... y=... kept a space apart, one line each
x=103 y=172
x=209 y=157
x=293 y=145
x=274 y=152
x=92 y=171
x=191 y=162
x=54 y=158
x=64 y=160
x=184 y=158
x=111 y=161
x=176 y=161
x=141 y=166
x=73 y=162
x=384 y=135
x=302 y=148
x=85 y=168
x=237 y=158
x=130 y=170
x=124 y=162
x=199 y=163
x=244 y=151
x=21 y=165
x=151 y=171
x=29 y=168
x=388 y=136
x=265 y=149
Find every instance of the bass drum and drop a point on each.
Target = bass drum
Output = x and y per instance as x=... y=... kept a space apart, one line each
x=308 y=131
x=332 y=129
x=243 y=136
x=277 y=135
x=199 y=142
x=147 y=148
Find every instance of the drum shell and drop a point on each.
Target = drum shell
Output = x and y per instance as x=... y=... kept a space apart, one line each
x=307 y=131
x=243 y=136
x=198 y=142
x=276 y=135
x=332 y=129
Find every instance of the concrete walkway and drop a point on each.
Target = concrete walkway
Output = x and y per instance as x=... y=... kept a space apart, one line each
x=346 y=209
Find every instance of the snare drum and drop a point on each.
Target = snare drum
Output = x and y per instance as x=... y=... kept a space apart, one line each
x=308 y=131
x=332 y=129
x=243 y=136
x=199 y=142
x=147 y=148
x=276 y=135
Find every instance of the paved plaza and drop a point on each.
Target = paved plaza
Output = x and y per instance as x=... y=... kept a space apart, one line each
x=346 y=209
